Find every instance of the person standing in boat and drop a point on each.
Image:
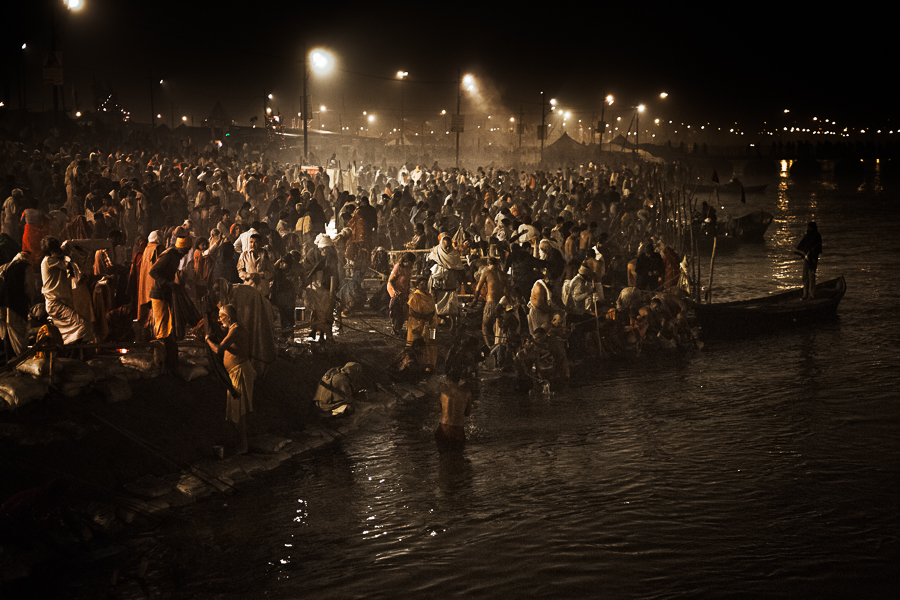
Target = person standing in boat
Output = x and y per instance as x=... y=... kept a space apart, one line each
x=810 y=247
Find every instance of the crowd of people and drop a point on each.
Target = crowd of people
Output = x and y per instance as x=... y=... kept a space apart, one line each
x=114 y=246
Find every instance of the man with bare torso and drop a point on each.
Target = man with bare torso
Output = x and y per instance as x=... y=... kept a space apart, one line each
x=456 y=397
x=492 y=282
x=235 y=354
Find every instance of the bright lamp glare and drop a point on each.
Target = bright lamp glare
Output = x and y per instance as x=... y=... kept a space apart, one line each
x=641 y=108
x=321 y=61
x=74 y=4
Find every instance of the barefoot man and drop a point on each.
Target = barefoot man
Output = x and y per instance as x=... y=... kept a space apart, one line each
x=234 y=351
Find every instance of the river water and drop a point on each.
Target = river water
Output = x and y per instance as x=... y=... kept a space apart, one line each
x=762 y=468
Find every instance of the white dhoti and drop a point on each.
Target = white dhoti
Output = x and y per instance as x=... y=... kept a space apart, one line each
x=72 y=326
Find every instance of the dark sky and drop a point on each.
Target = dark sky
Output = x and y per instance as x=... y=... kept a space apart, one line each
x=720 y=63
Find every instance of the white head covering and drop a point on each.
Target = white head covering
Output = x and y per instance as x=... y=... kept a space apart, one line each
x=323 y=241
x=153 y=238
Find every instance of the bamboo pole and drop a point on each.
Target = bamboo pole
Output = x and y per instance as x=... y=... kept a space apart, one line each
x=712 y=262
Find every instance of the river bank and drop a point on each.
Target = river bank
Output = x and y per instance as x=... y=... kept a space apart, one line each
x=130 y=462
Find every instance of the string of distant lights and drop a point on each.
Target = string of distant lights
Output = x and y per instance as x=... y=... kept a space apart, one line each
x=563 y=119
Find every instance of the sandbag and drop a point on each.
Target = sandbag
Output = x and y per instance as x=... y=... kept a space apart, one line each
x=193 y=351
x=114 y=389
x=35 y=367
x=19 y=390
x=104 y=368
x=190 y=372
x=144 y=362
x=70 y=370
x=70 y=389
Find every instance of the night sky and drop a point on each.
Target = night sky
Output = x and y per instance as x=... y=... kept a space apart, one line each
x=719 y=63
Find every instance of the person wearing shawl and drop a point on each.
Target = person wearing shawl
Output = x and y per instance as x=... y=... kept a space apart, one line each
x=255 y=267
x=37 y=227
x=57 y=273
x=322 y=271
x=446 y=275
x=334 y=396
x=145 y=282
x=162 y=298
x=15 y=301
x=423 y=319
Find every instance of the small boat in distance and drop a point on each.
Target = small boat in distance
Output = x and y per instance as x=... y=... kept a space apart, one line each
x=767 y=314
x=752 y=226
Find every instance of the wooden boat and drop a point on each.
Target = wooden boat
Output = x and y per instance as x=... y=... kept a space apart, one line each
x=770 y=313
x=725 y=241
x=752 y=226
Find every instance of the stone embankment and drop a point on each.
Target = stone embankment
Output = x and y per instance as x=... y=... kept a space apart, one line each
x=131 y=442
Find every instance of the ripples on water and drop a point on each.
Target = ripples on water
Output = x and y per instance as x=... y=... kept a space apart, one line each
x=764 y=468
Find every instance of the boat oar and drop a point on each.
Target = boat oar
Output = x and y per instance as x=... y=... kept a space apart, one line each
x=802 y=254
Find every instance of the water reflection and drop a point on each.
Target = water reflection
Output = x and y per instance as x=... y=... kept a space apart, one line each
x=768 y=466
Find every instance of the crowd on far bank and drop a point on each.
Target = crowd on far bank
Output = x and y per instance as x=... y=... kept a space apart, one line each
x=110 y=246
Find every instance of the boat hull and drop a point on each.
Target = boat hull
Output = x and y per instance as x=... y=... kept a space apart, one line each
x=770 y=313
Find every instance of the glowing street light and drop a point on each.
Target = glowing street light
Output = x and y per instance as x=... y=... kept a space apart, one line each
x=469 y=82
x=401 y=75
x=74 y=4
x=321 y=61
x=610 y=99
x=664 y=95
x=637 y=122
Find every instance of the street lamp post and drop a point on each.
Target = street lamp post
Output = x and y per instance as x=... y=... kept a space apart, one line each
x=74 y=6
x=305 y=105
x=458 y=103
x=544 y=113
x=637 y=133
x=663 y=96
x=321 y=61
x=153 y=115
x=401 y=75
